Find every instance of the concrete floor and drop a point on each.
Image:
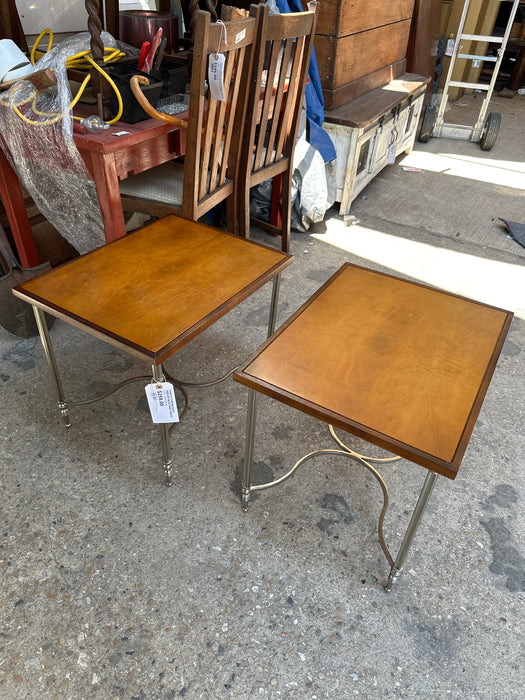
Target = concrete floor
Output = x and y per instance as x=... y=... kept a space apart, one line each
x=113 y=586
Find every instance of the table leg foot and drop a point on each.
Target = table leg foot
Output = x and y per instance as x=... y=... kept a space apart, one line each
x=166 y=456
x=168 y=471
x=64 y=412
x=392 y=578
x=245 y=498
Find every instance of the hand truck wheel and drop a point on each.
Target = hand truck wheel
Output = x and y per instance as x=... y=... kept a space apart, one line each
x=427 y=123
x=490 y=131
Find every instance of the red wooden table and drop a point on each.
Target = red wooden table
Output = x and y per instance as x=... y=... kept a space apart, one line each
x=122 y=150
x=109 y=157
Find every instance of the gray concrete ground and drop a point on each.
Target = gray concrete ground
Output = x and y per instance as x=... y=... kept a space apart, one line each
x=113 y=586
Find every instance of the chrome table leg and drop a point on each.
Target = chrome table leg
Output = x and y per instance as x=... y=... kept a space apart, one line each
x=273 y=305
x=158 y=376
x=421 y=504
x=248 y=449
x=51 y=361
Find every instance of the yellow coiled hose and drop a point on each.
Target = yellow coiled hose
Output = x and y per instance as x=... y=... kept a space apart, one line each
x=79 y=61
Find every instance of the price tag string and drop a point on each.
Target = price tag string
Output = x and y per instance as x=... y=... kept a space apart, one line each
x=224 y=34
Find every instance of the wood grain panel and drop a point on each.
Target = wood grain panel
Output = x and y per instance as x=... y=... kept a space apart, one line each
x=342 y=17
x=403 y=365
x=362 y=111
x=362 y=86
x=157 y=288
x=343 y=60
x=424 y=35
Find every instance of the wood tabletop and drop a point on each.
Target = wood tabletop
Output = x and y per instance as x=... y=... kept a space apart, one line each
x=397 y=363
x=157 y=288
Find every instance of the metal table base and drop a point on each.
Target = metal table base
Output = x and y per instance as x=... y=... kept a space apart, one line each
x=397 y=563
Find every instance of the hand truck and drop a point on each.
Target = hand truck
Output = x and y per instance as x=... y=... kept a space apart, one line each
x=485 y=131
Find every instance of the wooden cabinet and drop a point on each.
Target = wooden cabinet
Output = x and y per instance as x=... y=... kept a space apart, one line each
x=371 y=131
x=360 y=45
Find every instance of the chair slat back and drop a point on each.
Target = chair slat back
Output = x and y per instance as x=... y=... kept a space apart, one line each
x=282 y=57
x=215 y=127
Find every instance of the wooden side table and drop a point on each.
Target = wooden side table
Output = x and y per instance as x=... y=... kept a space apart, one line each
x=152 y=292
x=398 y=364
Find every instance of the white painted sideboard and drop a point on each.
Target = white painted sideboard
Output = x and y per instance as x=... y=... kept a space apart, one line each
x=371 y=131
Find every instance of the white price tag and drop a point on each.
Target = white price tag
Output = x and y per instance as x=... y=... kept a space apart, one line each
x=450 y=47
x=391 y=157
x=216 y=76
x=161 y=402
x=240 y=36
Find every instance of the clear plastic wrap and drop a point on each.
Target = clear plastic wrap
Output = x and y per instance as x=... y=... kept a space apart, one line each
x=312 y=187
x=42 y=151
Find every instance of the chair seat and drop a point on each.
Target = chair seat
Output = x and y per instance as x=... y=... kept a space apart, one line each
x=161 y=184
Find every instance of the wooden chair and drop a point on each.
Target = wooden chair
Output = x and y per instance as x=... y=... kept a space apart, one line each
x=214 y=129
x=280 y=71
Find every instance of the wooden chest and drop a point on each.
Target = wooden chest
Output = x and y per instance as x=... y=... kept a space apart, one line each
x=360 y=44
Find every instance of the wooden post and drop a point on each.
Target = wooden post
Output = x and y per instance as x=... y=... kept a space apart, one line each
x=101 y=87
x=517 y=78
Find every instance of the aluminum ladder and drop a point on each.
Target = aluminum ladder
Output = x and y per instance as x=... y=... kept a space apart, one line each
x=485 y=130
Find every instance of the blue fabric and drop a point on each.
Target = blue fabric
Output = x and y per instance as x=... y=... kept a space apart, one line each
x=318 y=137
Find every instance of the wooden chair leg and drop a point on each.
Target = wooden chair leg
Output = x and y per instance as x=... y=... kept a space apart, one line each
x=242 y=206
x=286 y=209
x=275 y=211
x=232 y=218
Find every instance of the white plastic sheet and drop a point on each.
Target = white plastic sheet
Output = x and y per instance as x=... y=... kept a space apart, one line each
x=44 y=154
